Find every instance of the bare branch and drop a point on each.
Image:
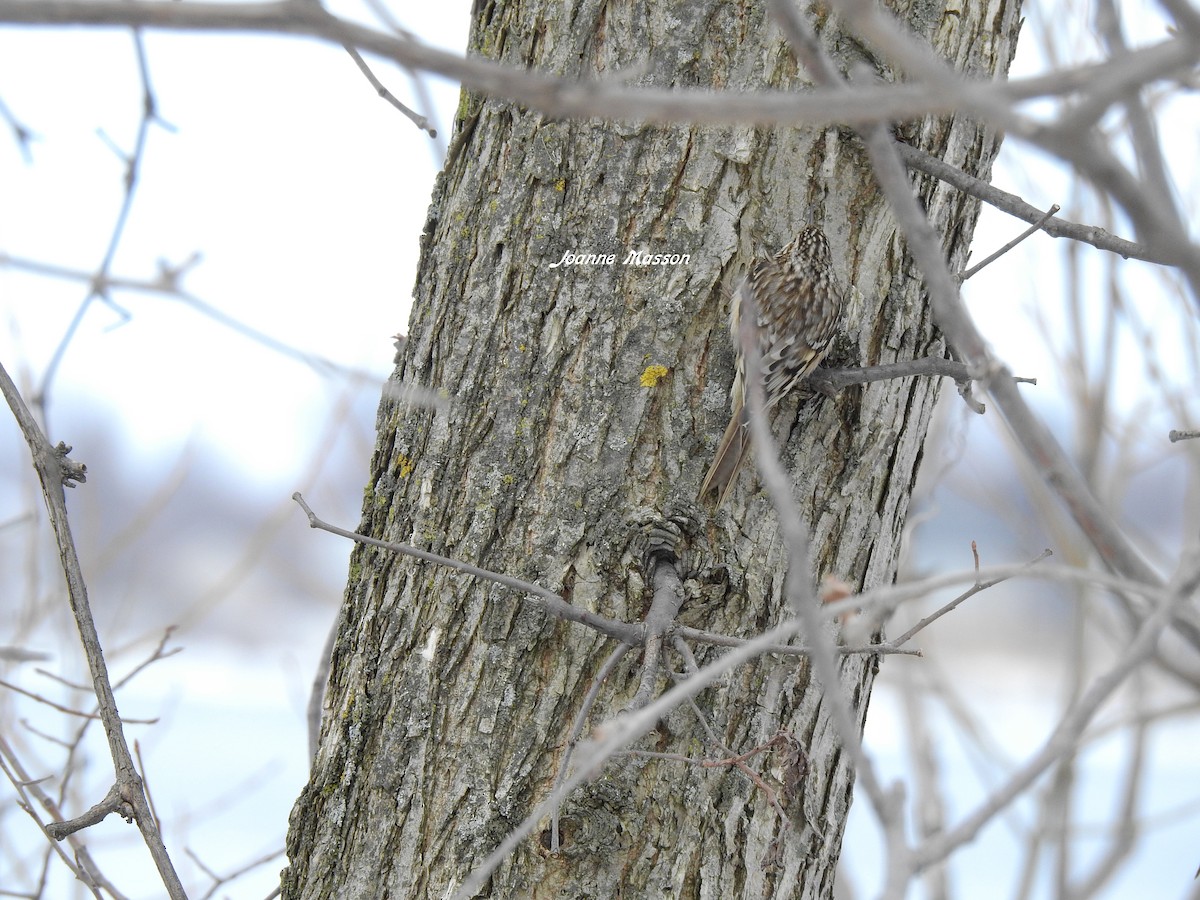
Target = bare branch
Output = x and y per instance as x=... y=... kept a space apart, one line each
x=724 y=640
x=21 y=134
x=1037 y=441
x=614 y=736
x=916 y=158
x=1069 y=729
x=169 y=284
x=133 y=165
x=552 y=602
x=316 y=695
x=82 y=865
x=610 y=98
x=221 y=880
x=54 y=470
x=1036 y=227
x=416 y=118
x=963 y=597
x=17 y=689
x=585 y=710
x=833 y=380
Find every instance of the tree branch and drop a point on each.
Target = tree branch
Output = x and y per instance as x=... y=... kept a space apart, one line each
x=918 y=159
x=552 y=602
x=55 y=470
x=610 y=98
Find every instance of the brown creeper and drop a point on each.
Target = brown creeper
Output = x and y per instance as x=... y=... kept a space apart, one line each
x=799 y=302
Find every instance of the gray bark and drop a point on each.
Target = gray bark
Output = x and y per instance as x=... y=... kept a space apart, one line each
x=450 y=701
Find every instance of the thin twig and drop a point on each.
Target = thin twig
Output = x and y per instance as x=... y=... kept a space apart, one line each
x=916 y=158
x=976 y=588
x=1069 y=729
x=1032 y=229
x=725 y=640
x=17 y=689
x=951 y=315
x=625 y=729
x=552 y=602
x=33 y=798
x=715 y=739
x=833 y=380
x=585 y=710
x=416 y=118
x=133 y=165
x=169 y=283
x=737 y=761
x=128 y=794
x=316 y=695
x=614 y=736
x=219 y=880
x=21 y=133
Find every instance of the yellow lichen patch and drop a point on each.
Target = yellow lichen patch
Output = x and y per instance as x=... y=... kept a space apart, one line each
x=561 y=185
x=404 y=465
x=653 y=375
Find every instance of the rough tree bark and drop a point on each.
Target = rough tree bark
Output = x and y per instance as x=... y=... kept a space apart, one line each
x=561 y=444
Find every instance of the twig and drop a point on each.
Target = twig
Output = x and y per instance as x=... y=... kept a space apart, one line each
x=1080 y=143
x=160 y=652
x=1175 y=436
x=82 y=866
x=169 y=284
x=141 y=764
x=552 y=602
x=725 y=640
x=585 y=710
x=1069 y=729
x=625 y=729
x=133 y=164
x=916 y=158
x=21 y=134
x=737 y=761
x=55 y=469
x=21 y=654
x=219 y=880
x=316 y=695
x=832 y=380
x=1143 y=134
x=754 y=778
x=976 y=588
x=416 y=118
x=929 y=785
x=614 y=736
x=1034 y=228
x=951 y=315
x=66 y=709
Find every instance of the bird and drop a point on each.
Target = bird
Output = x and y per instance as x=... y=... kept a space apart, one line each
x=799 y=300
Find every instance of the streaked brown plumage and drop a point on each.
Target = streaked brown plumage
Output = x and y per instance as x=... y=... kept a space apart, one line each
x=799 y=302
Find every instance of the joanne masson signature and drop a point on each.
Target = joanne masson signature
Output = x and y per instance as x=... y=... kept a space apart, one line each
x=633 y=258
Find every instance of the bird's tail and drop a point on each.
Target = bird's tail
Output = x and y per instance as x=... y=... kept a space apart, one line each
x=730 y=453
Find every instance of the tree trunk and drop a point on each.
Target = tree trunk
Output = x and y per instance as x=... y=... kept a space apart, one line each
x=561 y=444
